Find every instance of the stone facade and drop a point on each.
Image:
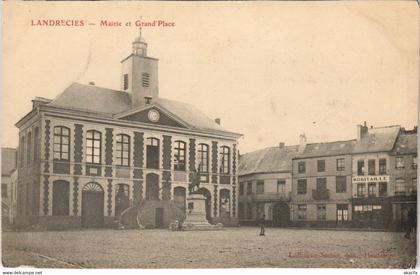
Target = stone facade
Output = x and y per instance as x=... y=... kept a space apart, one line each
x=89 y=165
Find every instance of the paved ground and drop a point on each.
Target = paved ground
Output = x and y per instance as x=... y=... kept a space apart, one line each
x=237 y=247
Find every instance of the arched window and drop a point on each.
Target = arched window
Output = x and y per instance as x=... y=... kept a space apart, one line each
x=152 y=151
x=179 y=155
x=61 y=147
x=121 y=198
x=224 y=160
x=93 y=146
x=29 y=147
x=122 y=151
x=400 y=187
x=36 y=144
x=60 y=198
x=203 y=157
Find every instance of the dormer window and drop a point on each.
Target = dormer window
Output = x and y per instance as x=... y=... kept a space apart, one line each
x=145 y=80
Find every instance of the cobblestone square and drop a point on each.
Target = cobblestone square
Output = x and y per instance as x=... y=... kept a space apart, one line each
x=229 y=248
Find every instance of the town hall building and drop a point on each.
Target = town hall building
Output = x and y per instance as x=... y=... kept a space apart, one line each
x=90 y=153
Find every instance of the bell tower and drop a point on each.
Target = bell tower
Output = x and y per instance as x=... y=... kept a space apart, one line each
x=139 y=75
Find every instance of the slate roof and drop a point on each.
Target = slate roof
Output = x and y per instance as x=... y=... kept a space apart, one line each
x=8 y=161
x=111 y=102
x=406 y=144
x=324 y=149
x=378 y=139
x=267 y=160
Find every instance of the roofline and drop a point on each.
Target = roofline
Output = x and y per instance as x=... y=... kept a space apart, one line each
x=54 y=111
x=26 y=117
x=320 y=156
x=270 y=172
x=147 y=57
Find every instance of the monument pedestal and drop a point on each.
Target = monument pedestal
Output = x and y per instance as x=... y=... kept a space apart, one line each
x=196 y=214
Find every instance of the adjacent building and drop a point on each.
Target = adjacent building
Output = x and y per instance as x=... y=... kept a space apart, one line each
x=8 y=185
x=403 y=175
x=371 y=176
x=321 y=190
x=265 y=185
x=91 y=152
x=367 y=182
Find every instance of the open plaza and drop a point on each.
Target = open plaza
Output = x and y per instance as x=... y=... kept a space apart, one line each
x=229 y=248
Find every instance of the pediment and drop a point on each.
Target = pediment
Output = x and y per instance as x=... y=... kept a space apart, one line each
x=154 y=115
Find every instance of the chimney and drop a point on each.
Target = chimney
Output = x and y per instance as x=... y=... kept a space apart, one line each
x=217 y=120
x=302 y=143
x=91 y=83
x=148 y=99
x=362 y=131
x=281 y=145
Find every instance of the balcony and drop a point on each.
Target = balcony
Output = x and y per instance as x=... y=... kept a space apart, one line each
x=321 y=194
x=271 y=196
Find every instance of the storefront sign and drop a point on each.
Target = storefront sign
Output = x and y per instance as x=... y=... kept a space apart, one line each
x=362 y=179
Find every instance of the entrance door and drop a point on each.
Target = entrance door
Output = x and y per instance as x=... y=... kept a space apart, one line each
x=159 y=217
x=281 y=215
x=92 y=205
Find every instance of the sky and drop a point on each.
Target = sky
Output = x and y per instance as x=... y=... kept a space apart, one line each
x=270 y=70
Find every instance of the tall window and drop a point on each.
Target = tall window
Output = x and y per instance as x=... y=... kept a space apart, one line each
x=399 y=162
x=382 y=166
x=301 y=167
x=371 y=167
x=413 y=188
x=22 y=151
x=225 y=160
x=29 y=148
x=301 y=187
x=241 y=188
x=372 y=189
x=361 y=190
x=61 y=147
x=203 y=157
x=321 y=212
x=321 y=165
x=414 y=162
x=340 y=184
x=4 y=190
x=152 y=153
x=341 y=164
x=36 y=144
x=383 y=192
x=122 y=152
x=302 y=212
x=121 y=198
x=360 y=167
x=281 y=186
x=179 y=150
x=399 y=186
x=93 y=146
x=260 y=187
x=342 y=212
x=321 y=184
x=249 y=188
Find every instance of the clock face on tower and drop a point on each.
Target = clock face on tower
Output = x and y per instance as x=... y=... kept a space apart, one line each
x=153 y=116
